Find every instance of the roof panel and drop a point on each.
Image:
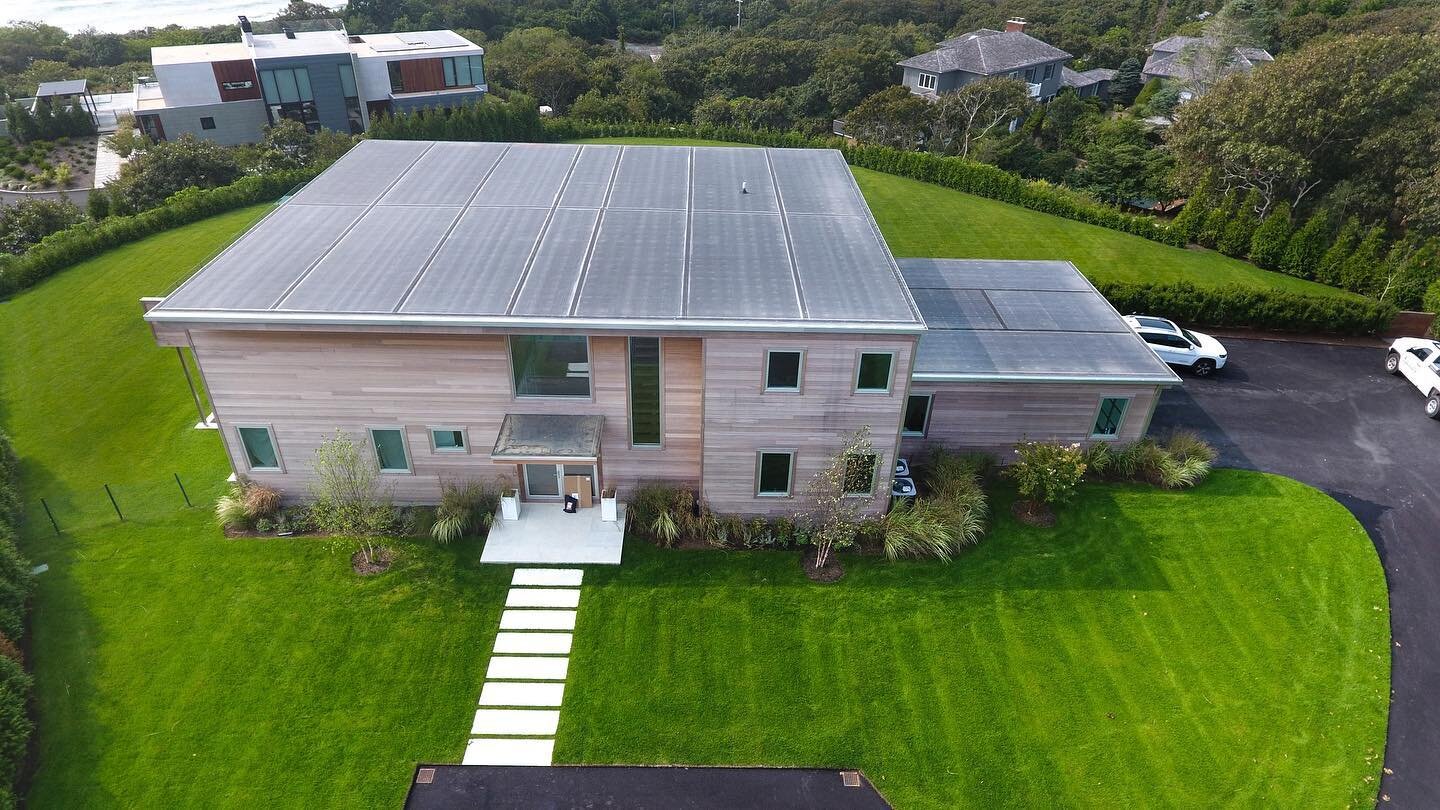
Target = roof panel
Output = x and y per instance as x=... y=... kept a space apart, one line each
x=733 y=180
x=277 y=251
x=445 y=176
x=549 y=287
x=653 y=177
x=480 y=265
x=1056 y=311
x=991 y=275
x=843 y=274
x=815 y=181
x=590 y=180
x=636 y=268
x=363 y=174
x=1047 y=355
x=731 y=253
x=370 y=269
x=956 y=309
x=531 y=174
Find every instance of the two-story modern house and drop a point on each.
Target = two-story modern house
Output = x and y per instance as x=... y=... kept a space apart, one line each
x=987 y=53
x=1197 y=62
x=323 y=77
x=722 y=317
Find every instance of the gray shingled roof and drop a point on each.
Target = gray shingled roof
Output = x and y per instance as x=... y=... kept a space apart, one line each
x=1076 y=78
x=1022 y=320
x=599 y=236
x=1166 y=58
x=986 y=52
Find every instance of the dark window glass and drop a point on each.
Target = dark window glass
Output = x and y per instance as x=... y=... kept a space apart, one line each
x=874 y=374
x=397 y=79
x=774 y=474
x=259 y=449
x=1110 y=417
x=645 y=391
x=860 y=473
x=390 y=449
x=917 y=414
x=550 y=365
x=448 y=441
x=782 y=371
x=207 y=122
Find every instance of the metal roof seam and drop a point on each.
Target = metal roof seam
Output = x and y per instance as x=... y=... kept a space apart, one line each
x=991 y=303
x=223 y=251
x=539 y=240
x=875 y=229
x=1112 y=308
x=594 y=235
x=371 y=207
x=689 y=233
x=789 y=243
x=440 y=245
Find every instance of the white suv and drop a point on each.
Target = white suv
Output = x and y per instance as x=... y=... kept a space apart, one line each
x=1178 y=346
x=1419 y=360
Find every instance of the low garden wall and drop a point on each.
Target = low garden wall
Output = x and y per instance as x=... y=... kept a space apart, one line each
x=78 y=196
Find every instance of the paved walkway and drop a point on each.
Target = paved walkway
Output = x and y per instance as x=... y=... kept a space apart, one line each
x=519 y=707
x=107 y=164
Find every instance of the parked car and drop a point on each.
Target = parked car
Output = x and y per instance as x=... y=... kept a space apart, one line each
x=1418 y=359
x=1179 y=346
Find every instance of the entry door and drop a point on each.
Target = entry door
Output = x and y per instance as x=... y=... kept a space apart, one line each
x=545 y=480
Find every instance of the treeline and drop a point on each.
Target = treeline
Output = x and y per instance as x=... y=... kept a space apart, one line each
x=16 y=584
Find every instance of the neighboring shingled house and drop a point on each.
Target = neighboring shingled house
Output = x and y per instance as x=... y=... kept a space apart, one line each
x=985 y=53
x=1197 y=62
x=1094 y=82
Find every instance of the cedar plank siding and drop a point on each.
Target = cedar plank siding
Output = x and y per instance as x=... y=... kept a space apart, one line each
x=306 y=384
x=420 y=75
x=741 y=418
x=992 y=417
x=236 y=70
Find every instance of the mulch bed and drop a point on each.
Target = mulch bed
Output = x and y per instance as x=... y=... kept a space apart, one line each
x=377 y=564
x=832 y=572
x=1033 y=513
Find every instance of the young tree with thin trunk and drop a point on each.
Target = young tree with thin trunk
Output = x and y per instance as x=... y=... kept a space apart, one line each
x=832 y=514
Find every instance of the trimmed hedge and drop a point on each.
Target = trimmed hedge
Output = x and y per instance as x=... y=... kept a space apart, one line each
x=75 y=244
x=16 y=584
x=1238 y=306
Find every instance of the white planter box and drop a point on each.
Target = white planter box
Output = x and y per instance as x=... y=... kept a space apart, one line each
x=510 y=507
x=609 y=512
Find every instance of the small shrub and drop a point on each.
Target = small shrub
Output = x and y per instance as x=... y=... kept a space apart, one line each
x=11 y=650
x=230 y=511
x=1182 y=461
x=264 y=525
x=665 y=528
x=1099 y=458
x=1047 y=472
x=464 y=508
x=261 y=502
x=1186 y=445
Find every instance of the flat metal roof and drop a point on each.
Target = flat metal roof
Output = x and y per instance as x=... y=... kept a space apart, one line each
x=562 y=236
x=68 y=87
x=548 y=436
x=1039 y=321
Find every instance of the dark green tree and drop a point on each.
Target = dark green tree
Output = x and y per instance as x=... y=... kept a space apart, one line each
x=1306 y=247
x=1267 y=246
x=1213 y=227
x=1192 y=216
x=1126 y=84
x=1364 y=269
x=1328 y=270
x=1235 y=239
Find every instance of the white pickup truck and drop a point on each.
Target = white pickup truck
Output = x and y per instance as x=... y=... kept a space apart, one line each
x=1418 y=359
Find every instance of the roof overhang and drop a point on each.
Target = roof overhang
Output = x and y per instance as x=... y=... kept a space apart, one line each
x=547 y=438
x=1047 y=378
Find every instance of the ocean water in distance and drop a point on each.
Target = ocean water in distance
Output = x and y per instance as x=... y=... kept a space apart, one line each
x=120 y=16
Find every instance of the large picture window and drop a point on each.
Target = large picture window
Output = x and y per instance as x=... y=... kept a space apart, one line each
x=773 y=473
x=259 y=444
x=645 y=392
x=1110 y=417
x=462 y=71
x=550 y=365
x=288 y=95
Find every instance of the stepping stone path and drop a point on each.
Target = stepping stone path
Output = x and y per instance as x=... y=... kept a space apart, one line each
x=519 y=706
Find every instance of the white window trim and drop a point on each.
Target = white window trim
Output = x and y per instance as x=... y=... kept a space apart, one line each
x=431 y=430
x=274 y=445
x=889 y=380
x=874 y=475
x=790 y=479
x=404 y=444
x=928 y=81
x=929 y=407
x=1119 y=428
x=589 y=362
x=800 y=377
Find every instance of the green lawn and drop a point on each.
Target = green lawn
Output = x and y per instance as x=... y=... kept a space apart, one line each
x=923 y=219
x=1227 y=646
x=1237 y=634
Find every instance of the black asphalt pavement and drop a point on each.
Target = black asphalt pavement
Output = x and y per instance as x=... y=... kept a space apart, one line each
x=1330 y=416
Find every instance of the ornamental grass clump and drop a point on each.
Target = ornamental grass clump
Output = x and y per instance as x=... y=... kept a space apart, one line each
x=247 y=505
x=1182 y=461
x=464 y=509
x=949 y=516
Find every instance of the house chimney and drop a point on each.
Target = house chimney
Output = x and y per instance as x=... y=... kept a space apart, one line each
x=1015 y=24
x=247 y=32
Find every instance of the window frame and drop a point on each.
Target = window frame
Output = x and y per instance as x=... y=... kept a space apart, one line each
x=396 y=76
x=1030 y=74
x=790 y=473
x=927 y=81
x=274 y=446
x=929 y=407
x=1119 y=423
x=889 y=378
x=874 y=475
x=589 y=361
x=207 y=122
x=404 y=447
x=629 y=394
x=1049 y=71
x=765 y=385
x=431 y=430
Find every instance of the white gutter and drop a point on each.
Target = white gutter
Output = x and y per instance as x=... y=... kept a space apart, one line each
x=1112 y=379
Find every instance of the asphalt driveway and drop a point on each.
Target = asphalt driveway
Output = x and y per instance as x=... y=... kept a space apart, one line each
x=1332 y=417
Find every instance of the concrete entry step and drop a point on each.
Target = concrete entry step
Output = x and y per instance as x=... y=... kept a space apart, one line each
x=507 y=693
x=537 y=620
x=548 y=577
x=526 y=722
x=543 y=597
x=487 y=751
x=527 y=668
x=533 y=643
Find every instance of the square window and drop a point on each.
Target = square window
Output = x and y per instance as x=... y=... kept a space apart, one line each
x=390 y=449
x=550 y=365
x=917 y=415
x=259 y=445
x=1110 y=417
x=207 y=122
x=448 y=440
x=860 y=473
x=782 y=370
x=773 y=473
x=872 y=376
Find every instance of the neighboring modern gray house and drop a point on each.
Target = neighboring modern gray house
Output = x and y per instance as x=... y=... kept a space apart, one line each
x=1198 y=62
x=983 y=54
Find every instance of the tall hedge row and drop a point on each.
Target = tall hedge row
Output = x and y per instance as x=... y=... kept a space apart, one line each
x=16 y=583
x=1235 y=305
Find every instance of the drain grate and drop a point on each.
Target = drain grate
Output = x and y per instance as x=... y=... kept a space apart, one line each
x=850 y=778
x=425 y=776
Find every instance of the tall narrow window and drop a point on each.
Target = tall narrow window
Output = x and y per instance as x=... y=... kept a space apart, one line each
x=259 y=445
x=783 y=370
x=645 y=392
x=354 y=113
x=550 y=365
x=1110 y=417
x=917 y=415
x=390 y=449
x=860 y=473
x=397 y=79
x=773 y=473
x=872 y=373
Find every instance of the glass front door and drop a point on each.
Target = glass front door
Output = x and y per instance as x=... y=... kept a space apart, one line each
x=544 y=480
